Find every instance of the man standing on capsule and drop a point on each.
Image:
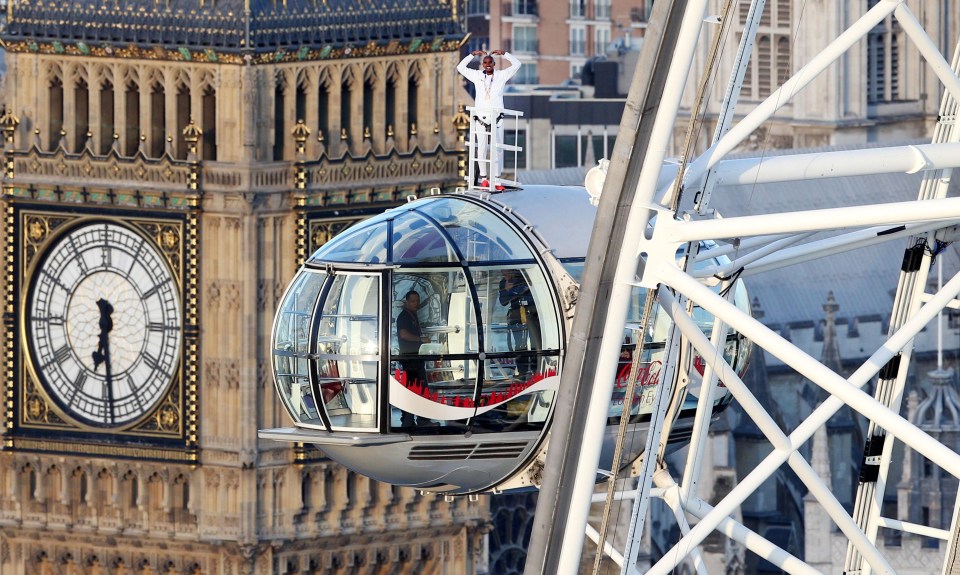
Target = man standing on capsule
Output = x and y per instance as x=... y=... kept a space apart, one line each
x=487 y=103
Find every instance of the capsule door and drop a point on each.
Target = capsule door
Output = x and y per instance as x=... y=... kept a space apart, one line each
x=347 y=343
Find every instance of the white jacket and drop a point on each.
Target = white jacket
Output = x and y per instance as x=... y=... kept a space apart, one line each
x=489 y=89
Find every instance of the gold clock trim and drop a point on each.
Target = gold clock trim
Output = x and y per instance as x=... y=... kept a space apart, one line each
x=55 y=225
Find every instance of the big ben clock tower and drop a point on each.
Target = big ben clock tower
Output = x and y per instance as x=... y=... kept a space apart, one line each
x=166 y=167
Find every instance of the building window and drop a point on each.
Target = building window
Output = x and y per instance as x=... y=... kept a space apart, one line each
x=527 y=74
x=771 y=63
x=763 y=65
x=515 y=161
x=478 y=7
x=578 y=8
x=413 y=98
x=524 y=40
x=184 y=115
x=279 y=128
x=883 y=61
x=55 y=112
x=601 y=39
x=209 y=113
x=478 y=43
x=81 y=104
x=524 y=7
x=132 y=114
x=158 y=119
x=770 y=56
x=576 y=70
x=601 y=10
x=641 y=13
x=578 y=41
x=106 y=117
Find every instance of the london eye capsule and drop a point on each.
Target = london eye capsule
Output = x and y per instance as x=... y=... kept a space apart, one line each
x=423 y=346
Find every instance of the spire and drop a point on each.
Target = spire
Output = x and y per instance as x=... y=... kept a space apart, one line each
x=830 y=355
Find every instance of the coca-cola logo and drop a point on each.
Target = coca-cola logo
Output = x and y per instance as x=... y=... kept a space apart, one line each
x=648 y=374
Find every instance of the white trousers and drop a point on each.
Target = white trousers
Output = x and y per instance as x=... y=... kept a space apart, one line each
x=482 y=141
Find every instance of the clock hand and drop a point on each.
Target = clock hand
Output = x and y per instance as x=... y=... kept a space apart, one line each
x=106 y=326
x=102 y=354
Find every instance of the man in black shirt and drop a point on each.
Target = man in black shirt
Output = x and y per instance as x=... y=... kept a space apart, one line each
x=409 y=338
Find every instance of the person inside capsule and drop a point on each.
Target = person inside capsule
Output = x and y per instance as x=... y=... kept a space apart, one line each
x=409 y=339
x=522 y=317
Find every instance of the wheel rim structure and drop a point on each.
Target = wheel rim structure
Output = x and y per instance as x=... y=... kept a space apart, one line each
x=647 y=232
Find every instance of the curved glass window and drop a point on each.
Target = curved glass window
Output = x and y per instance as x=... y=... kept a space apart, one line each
x=348 y=351
x=364 y=244
x=479 y=234
x=291 y=347
x=416 y=239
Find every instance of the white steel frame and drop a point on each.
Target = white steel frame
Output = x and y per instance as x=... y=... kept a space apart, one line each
x=772 y=241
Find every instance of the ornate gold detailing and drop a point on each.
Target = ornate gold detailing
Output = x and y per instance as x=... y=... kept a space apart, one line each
x=322 y=230
x=461 y=123
x=176 y=415
x=300 y=133
x=9 y=123
x=192 y=133
x=169 y=238
x=184 y=54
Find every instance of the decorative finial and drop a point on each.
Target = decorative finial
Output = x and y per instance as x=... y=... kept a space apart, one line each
x=300 y=133
x=461 y=121
x=9 y=123
x=343 y=134
x=191 y=134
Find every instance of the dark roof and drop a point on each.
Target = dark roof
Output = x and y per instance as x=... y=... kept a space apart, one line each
x=224 y=26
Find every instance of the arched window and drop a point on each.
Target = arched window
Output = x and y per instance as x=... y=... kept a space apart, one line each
x=323 y=110
x=158 y=119
x=783 y=60
x=132 y=115
x=107 y=121
x=390 y=113
x=55 y=113
x=78 y=487
x=183 y=118
x=413 y=90
x=345 y=107
x=81 y=123
x=301 y=101
x=279 y=127
x=368 y=104
x=209 y=126
x=763 y=66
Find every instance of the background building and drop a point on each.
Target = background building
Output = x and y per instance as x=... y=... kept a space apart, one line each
x=190 y=155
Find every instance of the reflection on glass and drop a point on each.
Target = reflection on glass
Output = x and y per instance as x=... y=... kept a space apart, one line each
x=291 y=347
x=517 y=398
x=365 y=244
x=416 y=239
x=478 y=233
x=348 y=351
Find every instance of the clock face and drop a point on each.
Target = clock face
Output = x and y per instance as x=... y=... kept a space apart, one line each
x=104 y=324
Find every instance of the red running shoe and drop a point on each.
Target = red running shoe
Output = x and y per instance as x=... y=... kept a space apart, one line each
x=484 y=183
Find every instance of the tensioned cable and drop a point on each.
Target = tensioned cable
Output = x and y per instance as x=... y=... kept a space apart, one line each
x=695 y=126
